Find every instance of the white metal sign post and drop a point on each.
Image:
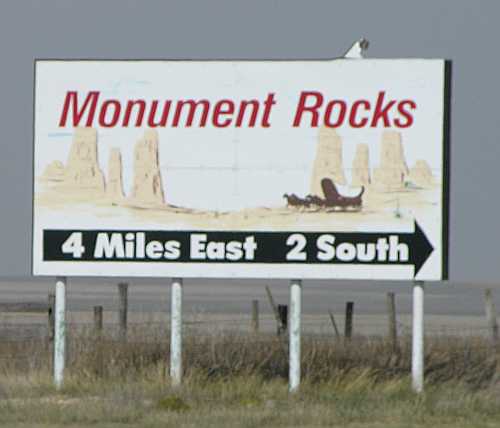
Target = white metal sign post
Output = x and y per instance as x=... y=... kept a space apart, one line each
x=295 y=334
x=417 y=361
x=60 y=332
x=176 y=332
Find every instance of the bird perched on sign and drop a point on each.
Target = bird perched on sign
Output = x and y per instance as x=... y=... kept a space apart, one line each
x=357 y=50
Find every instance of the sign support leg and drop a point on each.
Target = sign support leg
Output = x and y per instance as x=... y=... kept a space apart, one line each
x=294 y=332
x=176 y=332
x=60 y=332
x=417 y=360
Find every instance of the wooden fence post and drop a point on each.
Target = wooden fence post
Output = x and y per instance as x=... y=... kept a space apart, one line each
x=283 y=314
x=255 y=316
x=122 y=309
x=491 y=316
x=274 y=307
x=51 y=318
x=334 y=324
x=98 y=319
x=349 y=309
x=391 y=313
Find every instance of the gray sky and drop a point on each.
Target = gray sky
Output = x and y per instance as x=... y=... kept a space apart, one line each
x=465 y=32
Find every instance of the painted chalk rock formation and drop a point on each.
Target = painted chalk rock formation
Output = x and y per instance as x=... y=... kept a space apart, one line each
x=361 y=166
x=328 y=162
x=82 y=169
x=54 y=171
x=147 y=185
x=393 y=170
x=114 y=186
x=421 y=173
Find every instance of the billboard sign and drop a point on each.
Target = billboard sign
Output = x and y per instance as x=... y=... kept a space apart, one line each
x=241 y=169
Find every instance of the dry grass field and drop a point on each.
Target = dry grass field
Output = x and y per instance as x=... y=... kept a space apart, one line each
x=236 y=381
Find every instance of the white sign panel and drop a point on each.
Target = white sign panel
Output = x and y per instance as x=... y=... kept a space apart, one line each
x=270 y=169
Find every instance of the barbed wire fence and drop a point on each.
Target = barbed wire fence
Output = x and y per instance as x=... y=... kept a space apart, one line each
x=26 y=330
